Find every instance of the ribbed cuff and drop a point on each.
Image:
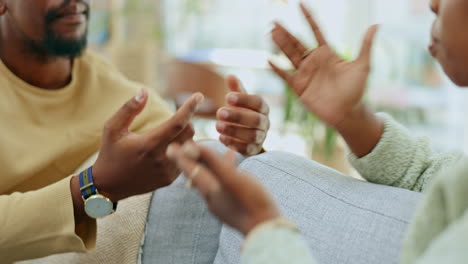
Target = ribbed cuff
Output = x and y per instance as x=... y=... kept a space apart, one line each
x=392 y=151
x=278 y=223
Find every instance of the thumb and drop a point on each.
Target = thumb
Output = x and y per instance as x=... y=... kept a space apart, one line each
x=124 y=117
x=367 y=44
x=170 y=129
x=235 y=84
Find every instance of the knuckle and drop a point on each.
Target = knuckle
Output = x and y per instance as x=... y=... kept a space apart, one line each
x=191 y=132
x=257 y=97
x=257 y=121
x=243 y=99
x=225 y=140
x=256 y=101
x=153 y=154
x=224 y=108
x=129 y=107
x=253 y=137
x=144 y=152
x=234 y=117
x=230 y=130
x=188 y=135
x=107 y=130
x=177 y=125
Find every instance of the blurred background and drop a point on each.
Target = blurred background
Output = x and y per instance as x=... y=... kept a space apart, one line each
x=181 y=46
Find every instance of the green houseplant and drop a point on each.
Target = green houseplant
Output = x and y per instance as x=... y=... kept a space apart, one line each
x=317 y=134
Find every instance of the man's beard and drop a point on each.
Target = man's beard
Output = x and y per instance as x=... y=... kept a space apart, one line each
x=53 y=45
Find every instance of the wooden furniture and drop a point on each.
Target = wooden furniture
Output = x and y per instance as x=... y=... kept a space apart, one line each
x=186 y=78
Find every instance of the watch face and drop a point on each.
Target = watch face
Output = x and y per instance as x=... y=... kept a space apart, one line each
x=98 y=206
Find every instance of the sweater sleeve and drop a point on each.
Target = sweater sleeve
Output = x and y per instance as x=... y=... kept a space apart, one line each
x=402 y=160
x=439 y=230
x=276 y=245
x=41 y=223
x=449 y=246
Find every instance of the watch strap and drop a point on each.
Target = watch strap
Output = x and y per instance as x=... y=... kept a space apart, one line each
x=87 y=186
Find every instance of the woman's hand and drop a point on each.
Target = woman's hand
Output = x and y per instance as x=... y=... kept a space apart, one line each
x=243 y=124
x=332 y=88
x=233 y=196
x=328 y=86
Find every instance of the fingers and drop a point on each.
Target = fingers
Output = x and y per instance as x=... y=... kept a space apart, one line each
x=223 y=171
x=200 y=177
x=219 y=176
x=252 y=102
x=281 y=73
x=124 y=117
x=235 y=84
x=241 y=186
x=244 y=123
x=298 y=82
x=320 y=57
x=367 y=44
x=240 y=98
x=230 y=158
x=247 y=135
x=175 y=125
x=241 y=146
x=315 y=28
x=186 y=135
x=243 y=117
x=289 y=44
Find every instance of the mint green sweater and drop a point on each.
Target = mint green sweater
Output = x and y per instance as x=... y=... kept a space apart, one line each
x=439 y=232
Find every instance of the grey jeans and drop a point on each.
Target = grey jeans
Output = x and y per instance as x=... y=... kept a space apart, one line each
x=344 y=220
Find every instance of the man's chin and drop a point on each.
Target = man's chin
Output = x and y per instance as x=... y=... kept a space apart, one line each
x=65 y=45
x=70 y=34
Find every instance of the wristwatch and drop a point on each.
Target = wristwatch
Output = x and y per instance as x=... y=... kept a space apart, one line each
x=96 y=205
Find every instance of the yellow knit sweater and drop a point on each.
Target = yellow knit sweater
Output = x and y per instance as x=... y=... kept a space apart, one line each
x=44 y=137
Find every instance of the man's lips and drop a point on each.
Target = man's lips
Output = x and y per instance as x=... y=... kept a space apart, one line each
x=73 y=18
x=75 y=14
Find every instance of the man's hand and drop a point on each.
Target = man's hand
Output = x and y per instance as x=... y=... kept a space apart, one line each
x=244 y=123
x=131 y=164
x=233 y=196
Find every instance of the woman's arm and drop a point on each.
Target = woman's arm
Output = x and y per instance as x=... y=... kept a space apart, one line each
x=401 y=159
x=332 y=89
